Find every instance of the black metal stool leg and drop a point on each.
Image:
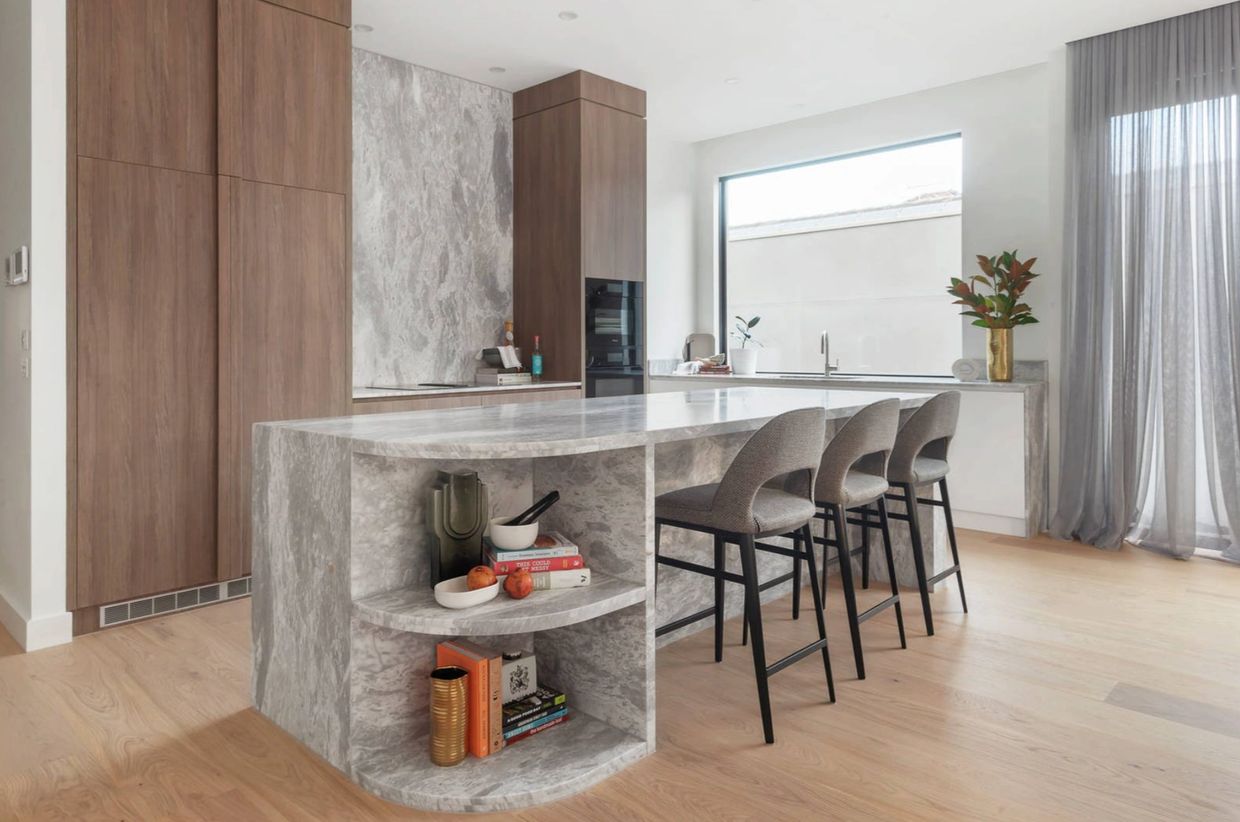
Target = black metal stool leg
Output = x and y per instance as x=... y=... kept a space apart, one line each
x=658 y=532
x=719 y=568
x=951 y=538
x=753 y=607
x=885 y=525
x=808 y=537
x=796 y=579
x=850 y=596
x=826 y=537
x=919 y=560
x=865 y=547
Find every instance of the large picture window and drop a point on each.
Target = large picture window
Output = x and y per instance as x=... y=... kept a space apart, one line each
x=860 y=247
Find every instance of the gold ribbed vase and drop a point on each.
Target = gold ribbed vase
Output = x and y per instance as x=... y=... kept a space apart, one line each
x=999 y=354
x=449 y=714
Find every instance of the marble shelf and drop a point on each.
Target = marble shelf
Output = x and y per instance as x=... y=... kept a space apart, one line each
x=415 y=609
x=558 y=762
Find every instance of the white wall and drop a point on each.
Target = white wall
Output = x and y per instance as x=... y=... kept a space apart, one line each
x=14 y=320
x=1013 y=127
x=843 y=280
x=32 y=556
x=670 y=282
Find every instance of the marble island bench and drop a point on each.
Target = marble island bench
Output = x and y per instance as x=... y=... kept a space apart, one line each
x=345 y=625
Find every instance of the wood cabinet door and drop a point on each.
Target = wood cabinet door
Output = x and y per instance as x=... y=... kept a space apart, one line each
x=146 y=380
x=285 y=108
x=337 y=11
x=285 y=330
x=613 y=193
x=145 y=82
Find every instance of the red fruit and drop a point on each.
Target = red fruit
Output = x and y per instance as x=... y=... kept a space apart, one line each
x=519 y=584
x=480 y=576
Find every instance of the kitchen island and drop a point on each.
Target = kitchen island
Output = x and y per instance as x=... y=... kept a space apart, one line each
x=345 y=626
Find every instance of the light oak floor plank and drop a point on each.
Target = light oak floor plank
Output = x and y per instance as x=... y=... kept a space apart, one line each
x=1083 y=685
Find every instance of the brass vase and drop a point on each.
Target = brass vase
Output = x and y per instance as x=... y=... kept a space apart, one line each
x=999 y=354
x=449 y=714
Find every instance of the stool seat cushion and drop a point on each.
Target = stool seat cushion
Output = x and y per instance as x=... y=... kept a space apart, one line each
x=860 y=488
x=773 y=510
x=925 y=470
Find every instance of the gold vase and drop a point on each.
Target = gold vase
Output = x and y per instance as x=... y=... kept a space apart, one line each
x=449 y=714
x=999 y=354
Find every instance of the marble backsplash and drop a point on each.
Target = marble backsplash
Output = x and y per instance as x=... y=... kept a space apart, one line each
x=432 y=221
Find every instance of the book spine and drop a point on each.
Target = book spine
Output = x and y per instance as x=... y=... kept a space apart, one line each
x=559 y=720
x=525 y=727
x=478 y=732
x=495 y=708
x=503 y=567
x=532 y=714
x=533 y=553
x=551 y=580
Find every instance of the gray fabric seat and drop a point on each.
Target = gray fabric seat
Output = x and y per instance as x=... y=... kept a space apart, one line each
x=925 y=470
x=861 y=488
x=772 y=509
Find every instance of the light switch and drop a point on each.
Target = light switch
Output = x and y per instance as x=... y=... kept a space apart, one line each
x=17 y=267
x=26 y=367
x=25 y=339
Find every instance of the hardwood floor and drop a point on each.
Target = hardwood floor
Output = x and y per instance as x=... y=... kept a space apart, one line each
x=1083 y=685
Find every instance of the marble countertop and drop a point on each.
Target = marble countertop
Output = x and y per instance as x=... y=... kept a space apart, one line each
x=367 y=393
x=867 y=381
x=541 y=429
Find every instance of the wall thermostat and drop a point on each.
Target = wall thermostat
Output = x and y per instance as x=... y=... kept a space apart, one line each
x=17 y=267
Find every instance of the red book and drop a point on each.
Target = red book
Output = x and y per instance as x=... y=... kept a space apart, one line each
x=560 y=720
x=503 y=567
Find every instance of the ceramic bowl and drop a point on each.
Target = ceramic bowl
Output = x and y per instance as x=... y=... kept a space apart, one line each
x=455 y=593
x=512 y=537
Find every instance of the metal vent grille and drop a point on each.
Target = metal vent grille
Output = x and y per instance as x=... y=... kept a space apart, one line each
x=120 y=612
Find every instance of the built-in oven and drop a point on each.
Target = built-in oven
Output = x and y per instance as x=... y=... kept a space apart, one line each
x=615 y=338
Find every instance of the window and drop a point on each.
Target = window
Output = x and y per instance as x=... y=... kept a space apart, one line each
x=859 y=246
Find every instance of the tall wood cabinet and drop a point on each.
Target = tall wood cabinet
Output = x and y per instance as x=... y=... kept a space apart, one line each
x=579 y=206
x=209 y=277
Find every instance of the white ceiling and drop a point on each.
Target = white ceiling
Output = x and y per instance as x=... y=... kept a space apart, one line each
x=790 y=58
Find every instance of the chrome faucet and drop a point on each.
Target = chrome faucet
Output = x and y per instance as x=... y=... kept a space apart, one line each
x=824 y=348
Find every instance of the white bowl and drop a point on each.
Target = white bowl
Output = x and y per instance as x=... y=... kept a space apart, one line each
x=512 y=537
x=455 y=593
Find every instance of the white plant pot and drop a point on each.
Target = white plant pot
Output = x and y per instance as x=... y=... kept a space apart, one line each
x=743 y=360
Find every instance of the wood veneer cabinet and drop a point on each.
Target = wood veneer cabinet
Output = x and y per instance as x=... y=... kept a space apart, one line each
x=209 y=166
x=579 y=206
x=145 y=380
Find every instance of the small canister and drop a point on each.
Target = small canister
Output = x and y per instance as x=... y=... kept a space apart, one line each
x=449 y=714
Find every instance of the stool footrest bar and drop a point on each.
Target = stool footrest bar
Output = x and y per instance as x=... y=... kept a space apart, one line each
x=795 y=656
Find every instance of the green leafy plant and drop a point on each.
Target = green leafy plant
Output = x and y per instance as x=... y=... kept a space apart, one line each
x=1006 y=277
x=744 y=328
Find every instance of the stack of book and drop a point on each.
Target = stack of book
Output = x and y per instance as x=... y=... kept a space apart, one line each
x=554 y=561
x=541 y=710
x=711 y=368
x=491 y=375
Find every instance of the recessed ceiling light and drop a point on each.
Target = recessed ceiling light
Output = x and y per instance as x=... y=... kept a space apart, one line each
x=362 y=28
x=731 y=81
x=568 y=15
x=497 y=69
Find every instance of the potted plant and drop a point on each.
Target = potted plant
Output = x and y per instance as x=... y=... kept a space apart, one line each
x=999 y=311
x=744 y=360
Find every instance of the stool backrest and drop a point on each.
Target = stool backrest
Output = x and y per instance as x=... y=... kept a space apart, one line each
x=927 y=433
x=864 y=443
x=785 y=446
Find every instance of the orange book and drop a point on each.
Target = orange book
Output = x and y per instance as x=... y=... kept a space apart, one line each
x=478 y=732
x=495 y=690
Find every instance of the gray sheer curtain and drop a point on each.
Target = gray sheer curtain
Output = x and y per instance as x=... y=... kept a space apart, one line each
x=1150 y=442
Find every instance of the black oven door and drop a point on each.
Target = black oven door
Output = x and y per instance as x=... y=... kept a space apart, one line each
x=614 y=382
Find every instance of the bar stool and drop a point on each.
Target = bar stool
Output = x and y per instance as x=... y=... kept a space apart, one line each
x=919 y=459
x=852 y=479
x=745 y=505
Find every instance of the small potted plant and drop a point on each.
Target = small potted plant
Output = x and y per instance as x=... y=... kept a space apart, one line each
x=744 y=360
x=999 y=311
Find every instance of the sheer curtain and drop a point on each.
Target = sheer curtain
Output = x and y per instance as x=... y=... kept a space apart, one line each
x=1150 y=443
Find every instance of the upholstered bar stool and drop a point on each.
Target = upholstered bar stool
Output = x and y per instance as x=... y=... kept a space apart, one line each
x=742 y=507
x=852 y=479
x=920 y=459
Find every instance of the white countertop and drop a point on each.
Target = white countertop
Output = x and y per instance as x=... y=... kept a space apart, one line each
x=860 y=381
x=540 y=429
x=366 y=393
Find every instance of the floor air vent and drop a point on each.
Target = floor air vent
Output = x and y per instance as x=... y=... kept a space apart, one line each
x=174 y=601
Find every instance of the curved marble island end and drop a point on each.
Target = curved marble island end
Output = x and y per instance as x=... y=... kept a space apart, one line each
x=344 y=624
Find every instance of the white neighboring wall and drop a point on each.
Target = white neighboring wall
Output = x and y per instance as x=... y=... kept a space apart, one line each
x=33 y=428
x=669 y=247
